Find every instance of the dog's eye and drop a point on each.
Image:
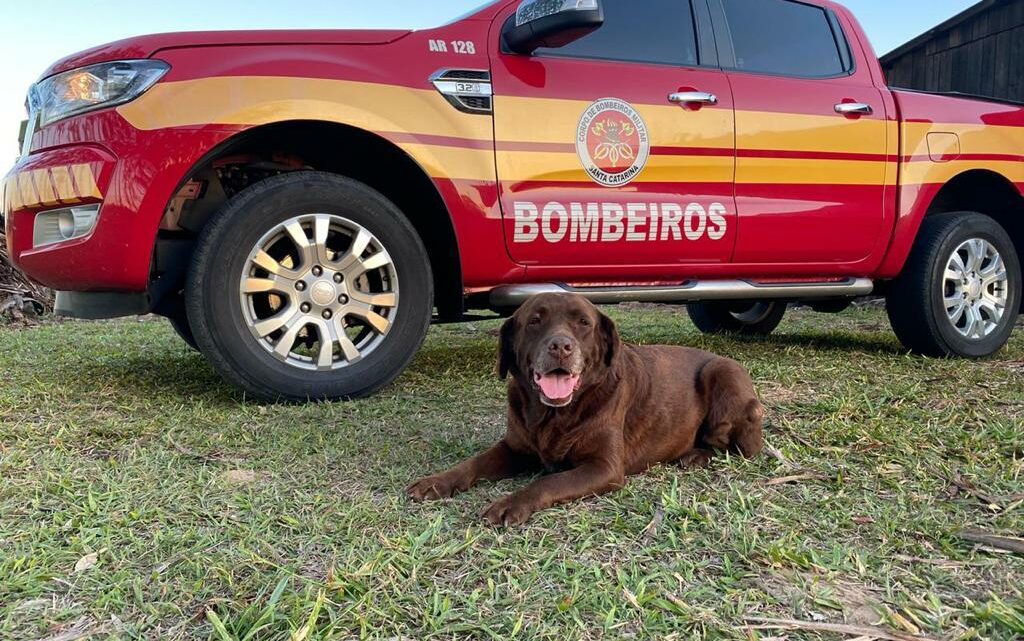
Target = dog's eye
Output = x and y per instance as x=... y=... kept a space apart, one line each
x=584 y=321
x=535 y=320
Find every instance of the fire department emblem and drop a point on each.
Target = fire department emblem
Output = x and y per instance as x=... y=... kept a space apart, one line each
x=612 y=142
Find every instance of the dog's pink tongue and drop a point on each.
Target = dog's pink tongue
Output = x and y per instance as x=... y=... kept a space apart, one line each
x=557 y=386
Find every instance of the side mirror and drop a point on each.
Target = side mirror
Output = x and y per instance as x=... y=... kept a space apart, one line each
x=551 y=23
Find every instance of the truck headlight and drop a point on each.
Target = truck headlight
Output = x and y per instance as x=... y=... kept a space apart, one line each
x=94 y=87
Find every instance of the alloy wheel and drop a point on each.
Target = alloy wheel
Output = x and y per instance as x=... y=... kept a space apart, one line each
x=319 y=292
x=976 y=288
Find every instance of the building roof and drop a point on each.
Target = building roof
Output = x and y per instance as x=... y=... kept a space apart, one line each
x=963 y=16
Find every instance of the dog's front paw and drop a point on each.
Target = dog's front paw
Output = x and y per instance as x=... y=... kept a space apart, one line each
x=510 y=511
x=433 y=488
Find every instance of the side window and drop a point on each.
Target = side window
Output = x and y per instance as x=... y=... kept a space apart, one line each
x=653 y=31
x=783 y=38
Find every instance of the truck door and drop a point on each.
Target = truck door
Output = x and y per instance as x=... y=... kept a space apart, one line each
x=618 y=149
x=811 y=132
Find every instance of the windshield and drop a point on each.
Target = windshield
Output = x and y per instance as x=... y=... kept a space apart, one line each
x=466 y=14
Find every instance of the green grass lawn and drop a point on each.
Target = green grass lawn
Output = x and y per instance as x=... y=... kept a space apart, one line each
x=142 y=498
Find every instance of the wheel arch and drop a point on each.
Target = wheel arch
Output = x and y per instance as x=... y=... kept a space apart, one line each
x=326 y=146
x=986 y=192
x=979 y=190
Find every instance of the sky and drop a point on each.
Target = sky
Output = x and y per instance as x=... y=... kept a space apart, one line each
x=34 y=34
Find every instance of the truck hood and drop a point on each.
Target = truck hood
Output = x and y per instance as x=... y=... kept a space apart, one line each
x=147 y=46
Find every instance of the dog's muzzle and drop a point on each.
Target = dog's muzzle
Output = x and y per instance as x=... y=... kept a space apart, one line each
x=558 y=370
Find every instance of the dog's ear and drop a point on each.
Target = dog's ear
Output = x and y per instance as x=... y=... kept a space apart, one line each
x=612 y=342
x=506 y=349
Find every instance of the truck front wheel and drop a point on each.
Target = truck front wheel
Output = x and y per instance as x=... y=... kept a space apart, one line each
x=309 y=286
x=179 y=322
x=960 y=291
x=749 y=318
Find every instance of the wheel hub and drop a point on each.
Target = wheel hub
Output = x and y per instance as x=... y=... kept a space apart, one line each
x=975 y=289
x=324 y=293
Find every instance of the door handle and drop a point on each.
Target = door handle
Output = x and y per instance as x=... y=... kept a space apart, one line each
x=854 y=109
x=693 y=97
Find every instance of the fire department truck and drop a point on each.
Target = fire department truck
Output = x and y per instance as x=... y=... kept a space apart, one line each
x=303 y=204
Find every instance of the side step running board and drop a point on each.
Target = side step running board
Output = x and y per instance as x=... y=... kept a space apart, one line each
x=515 y=295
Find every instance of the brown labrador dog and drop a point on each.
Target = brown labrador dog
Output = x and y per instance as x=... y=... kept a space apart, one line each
x=592 y=410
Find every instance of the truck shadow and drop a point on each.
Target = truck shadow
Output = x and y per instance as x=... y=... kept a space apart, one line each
x=159 y=376
x=880 y=344
x=181 y=375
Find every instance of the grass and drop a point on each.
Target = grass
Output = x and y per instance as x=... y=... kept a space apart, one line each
x=191 y=513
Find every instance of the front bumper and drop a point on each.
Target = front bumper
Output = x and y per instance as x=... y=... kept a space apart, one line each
x=99 y=158
x=54 y=179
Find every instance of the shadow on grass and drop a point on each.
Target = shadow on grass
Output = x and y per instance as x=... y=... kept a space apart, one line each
x=155 y=375
x=468 y=358
x=822 y=342
x=873 y=343
x=175 y=375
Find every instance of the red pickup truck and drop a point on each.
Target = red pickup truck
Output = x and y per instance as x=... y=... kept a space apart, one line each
x=302 y=204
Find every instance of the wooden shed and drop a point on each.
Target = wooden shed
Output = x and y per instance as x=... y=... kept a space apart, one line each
x=979 y=52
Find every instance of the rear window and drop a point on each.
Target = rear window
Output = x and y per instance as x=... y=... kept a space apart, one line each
x=783 y=38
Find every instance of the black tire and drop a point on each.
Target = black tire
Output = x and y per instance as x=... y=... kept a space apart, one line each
x=915 y=299
x=745 y=318
x=215 y=310
x=173 y=309
x=184 y=331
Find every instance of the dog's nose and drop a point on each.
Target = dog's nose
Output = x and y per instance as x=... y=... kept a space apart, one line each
x=561 y=346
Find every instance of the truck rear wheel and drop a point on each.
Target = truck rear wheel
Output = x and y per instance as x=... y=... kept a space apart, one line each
x=960 y=291
x=309 y=286
x=748 y=318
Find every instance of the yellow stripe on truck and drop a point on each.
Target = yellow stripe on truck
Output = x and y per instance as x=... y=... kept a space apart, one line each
x=86 y=182
x=543 y=120
x=64 y=185
x=517 y=166
x=50 y=187
x=801 y=132
x=256 y=100
x=47 y=195
x=12 y=196
x=27 y=190
x=453 y=162
x=974 y=139
x=789 y=171
x=927 y=172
